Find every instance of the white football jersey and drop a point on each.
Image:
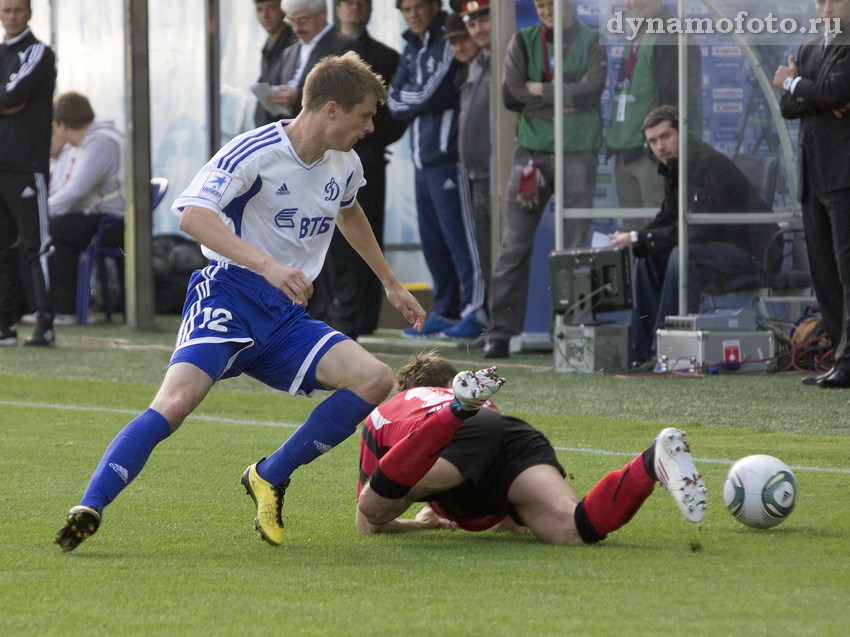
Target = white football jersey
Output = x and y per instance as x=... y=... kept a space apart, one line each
x=270 y=198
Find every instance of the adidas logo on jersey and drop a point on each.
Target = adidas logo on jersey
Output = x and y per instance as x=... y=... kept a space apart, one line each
x=121 y=471
x=27 y=193
x=283 y=190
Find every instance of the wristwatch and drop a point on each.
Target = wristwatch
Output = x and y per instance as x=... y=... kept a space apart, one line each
x=787 y=83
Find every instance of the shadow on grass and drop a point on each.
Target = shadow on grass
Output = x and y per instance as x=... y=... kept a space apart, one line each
x=791 y=531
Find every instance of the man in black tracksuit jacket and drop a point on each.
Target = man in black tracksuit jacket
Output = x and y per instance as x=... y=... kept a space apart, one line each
x=27 y=80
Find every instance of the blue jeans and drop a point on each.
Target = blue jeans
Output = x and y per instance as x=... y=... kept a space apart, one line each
x=656 y=286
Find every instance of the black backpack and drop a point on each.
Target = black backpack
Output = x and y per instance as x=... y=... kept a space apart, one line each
x=174 y=259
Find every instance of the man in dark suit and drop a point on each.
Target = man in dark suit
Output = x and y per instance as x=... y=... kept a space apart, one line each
x=316 y=38
x=816 y=87
x=270 y=15
x=356 y=291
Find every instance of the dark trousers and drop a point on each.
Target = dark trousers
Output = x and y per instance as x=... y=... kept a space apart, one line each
x=23 y=244
x=71 y=234
x=356 y=292
x=446 y=230
x=656 y=286
x=510 y=281
x=826 y=220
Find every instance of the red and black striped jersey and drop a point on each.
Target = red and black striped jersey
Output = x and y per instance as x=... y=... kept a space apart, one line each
x=394 y=420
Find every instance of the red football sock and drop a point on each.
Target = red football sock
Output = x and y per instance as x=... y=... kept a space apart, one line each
x=618 y=496
x=409 y=460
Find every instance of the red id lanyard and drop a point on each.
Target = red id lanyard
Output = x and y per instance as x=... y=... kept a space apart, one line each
x=630 y=63
x=548 y=73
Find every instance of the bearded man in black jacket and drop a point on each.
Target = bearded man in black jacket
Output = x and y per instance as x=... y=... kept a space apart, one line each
x=716 y=252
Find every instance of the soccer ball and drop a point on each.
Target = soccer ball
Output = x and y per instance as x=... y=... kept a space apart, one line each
x=760 y=491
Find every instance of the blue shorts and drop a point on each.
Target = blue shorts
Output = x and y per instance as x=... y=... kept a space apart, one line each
x=234 y=322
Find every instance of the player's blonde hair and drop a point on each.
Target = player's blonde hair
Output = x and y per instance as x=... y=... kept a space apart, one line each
x=344 y=79
x=426 y=369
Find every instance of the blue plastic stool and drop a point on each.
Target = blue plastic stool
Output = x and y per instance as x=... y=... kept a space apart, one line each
x=96 y=254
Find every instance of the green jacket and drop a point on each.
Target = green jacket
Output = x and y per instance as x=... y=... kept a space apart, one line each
x=585 y=71
x=642 y=94
x=654 y=82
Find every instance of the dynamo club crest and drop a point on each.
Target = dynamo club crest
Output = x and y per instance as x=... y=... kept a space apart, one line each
x=332 y=190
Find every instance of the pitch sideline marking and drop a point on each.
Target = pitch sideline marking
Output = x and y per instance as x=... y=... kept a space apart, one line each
x=265 y=423
x=136 y=412
x=727 y=461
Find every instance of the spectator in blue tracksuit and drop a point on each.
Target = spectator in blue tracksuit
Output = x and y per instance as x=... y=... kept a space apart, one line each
x=424 y=93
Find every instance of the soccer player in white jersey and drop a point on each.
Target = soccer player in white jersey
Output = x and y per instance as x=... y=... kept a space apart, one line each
x=264 y=209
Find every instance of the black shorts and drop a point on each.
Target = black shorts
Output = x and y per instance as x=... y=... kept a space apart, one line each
x=491 y=450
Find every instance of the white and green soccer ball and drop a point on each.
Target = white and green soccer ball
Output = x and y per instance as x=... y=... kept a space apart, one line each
x=760 y=491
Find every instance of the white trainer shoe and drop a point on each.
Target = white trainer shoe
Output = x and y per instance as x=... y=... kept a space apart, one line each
x=472 y=389
x=675 y=469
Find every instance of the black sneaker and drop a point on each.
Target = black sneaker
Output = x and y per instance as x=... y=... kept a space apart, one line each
x=476 y=343
x=497 y=348
x=42 y=336
x=81 y=523
x=8 y=336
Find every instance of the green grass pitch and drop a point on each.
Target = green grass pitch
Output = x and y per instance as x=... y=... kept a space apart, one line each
x=177 y=554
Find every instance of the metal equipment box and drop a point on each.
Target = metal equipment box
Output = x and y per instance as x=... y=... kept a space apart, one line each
x=591 y=349
x=715 y=352
x=742 y=320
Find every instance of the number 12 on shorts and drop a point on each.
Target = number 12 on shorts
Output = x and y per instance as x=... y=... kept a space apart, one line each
x=214 y=318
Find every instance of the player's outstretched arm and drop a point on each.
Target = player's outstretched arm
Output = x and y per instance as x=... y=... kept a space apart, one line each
x=206 y=226
x=433 y=520
x=372 y=506
x=354 y=225
x=402 y=300
x=425 y=520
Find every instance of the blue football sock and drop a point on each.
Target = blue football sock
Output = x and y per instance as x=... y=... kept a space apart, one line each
x=125 y=457
x=331 y=422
